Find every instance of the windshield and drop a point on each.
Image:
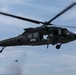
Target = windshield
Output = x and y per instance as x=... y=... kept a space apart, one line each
x=65 y=32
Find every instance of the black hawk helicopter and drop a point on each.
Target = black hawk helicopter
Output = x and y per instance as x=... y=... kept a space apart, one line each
x=46 y=34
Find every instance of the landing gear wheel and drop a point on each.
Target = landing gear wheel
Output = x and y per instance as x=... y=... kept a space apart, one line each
x=58 y=46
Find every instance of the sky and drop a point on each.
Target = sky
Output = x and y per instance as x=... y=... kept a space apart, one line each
x=36 y=60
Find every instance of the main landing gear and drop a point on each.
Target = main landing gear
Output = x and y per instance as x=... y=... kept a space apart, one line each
x=58 y=46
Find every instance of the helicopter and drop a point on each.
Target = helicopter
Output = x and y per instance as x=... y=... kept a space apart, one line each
x=45 y=34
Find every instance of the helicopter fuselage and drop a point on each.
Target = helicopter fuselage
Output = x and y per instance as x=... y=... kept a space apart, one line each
x=42 y=35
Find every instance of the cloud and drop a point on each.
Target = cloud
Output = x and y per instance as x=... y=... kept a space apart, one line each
x=5 y=9
x=2 y=56
x=11 y=21
x=2 y=71
x=71 y=70
x=67 y=59
x=12 y=54
x=37 y=65
x=70 y=15
x=12 y=1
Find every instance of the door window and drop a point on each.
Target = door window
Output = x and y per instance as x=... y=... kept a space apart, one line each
x=35 y=35
x=29 y=36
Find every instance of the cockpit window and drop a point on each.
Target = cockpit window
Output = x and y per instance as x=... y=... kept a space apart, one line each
x=65 y=32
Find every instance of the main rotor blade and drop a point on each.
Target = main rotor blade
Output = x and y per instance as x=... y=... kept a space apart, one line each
x=65 y=26
x=66 y=9
x=22 y=18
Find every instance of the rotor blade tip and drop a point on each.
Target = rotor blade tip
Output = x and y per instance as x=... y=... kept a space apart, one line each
x=74 y=3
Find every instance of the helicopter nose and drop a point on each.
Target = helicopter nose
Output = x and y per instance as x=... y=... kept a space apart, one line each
x=75 y=36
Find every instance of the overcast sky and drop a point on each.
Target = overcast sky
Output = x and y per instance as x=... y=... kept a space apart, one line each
x=36 y=60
